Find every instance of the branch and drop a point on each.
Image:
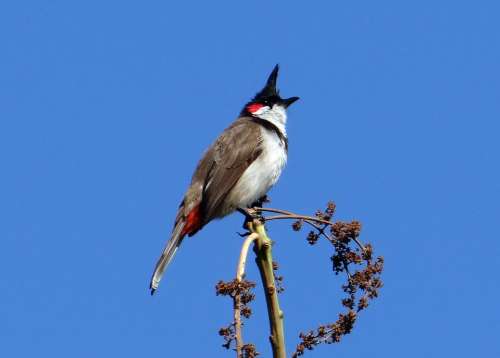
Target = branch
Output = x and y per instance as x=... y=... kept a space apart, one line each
x=287 y=215
x=264 y=261
x=240 y=270
x=240 y=273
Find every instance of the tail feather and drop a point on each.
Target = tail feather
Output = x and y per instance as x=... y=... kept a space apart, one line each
x=167 y=255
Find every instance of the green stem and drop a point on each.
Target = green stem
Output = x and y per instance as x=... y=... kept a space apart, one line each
x=264 y=259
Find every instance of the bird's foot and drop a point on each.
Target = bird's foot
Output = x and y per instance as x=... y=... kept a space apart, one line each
x=250 y=216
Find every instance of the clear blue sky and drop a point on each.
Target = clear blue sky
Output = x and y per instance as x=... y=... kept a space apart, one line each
x=105 y=107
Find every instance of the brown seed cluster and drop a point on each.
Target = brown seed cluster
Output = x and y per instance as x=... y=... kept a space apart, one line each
x=360 y=287
x=341 y=236
x=241 y=294
x=234 y=288
x=249 y=351
x=229 y=335
x=328 y=334
x=297 y=225
x=328 y=213
x=312 y=237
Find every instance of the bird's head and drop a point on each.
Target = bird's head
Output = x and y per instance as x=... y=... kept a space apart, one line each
x=268 y=104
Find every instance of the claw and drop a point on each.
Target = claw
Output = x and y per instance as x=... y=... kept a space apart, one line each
x=249 y=217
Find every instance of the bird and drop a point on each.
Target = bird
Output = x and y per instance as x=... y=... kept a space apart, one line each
x=236 y=171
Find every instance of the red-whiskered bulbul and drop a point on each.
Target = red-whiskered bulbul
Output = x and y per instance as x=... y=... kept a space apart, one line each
x=236 y=170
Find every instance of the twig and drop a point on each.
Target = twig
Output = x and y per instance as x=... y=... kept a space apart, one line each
x=264 y=261
x=240 y=273
x=240 y=270
x=279 y=211
x=271 y=210
x=289 y=215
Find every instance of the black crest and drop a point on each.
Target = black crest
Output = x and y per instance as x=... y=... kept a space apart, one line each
x=269 y=89
x=270 y=95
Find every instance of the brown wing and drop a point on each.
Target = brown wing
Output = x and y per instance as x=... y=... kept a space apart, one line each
x=216 y=174
x=224 y=163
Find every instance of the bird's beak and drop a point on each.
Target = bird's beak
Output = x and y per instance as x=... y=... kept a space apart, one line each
x=288 y=101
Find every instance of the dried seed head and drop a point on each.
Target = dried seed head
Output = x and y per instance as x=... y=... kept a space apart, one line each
x=297 y=225
x=362 y=272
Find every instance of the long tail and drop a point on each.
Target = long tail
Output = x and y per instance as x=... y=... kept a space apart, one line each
x=167 y=255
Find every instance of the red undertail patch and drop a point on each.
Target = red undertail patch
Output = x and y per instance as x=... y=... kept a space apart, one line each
x=193 y=222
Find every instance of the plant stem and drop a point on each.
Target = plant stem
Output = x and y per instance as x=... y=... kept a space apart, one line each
x=264 y=261
x=289 y=216
x=240 y=273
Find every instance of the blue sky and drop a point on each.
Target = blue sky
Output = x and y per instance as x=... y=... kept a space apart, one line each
x=107 y=106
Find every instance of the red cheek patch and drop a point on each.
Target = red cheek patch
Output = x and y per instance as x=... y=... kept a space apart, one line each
x=254 y=107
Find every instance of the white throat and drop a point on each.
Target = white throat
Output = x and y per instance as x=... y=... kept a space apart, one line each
x=275 y=115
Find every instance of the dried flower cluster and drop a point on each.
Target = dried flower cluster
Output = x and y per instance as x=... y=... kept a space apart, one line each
x=241 y=294
x=361 y=286
x=249 y=351
x=229 y=335
x=331 y=333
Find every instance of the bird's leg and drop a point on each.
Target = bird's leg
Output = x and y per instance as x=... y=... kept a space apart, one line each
x=259 y=202
x=251 y=214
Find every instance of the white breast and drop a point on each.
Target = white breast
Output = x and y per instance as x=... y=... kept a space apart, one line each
x=263 y=173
